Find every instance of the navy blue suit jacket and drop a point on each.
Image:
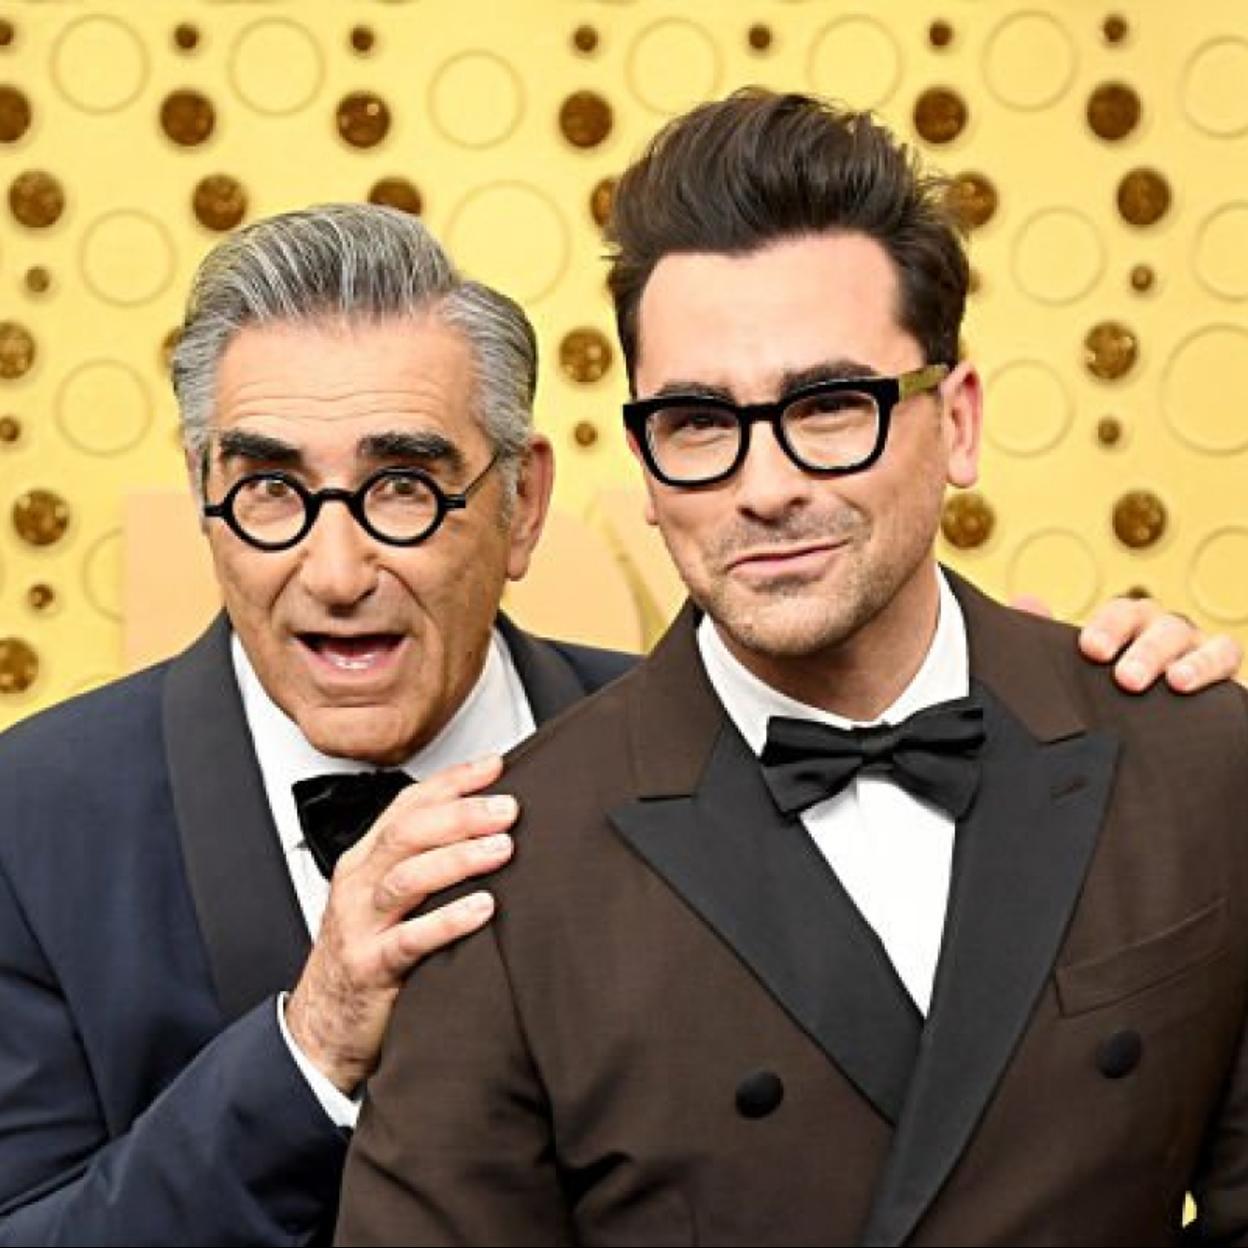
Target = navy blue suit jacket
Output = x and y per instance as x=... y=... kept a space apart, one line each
x=147 y=921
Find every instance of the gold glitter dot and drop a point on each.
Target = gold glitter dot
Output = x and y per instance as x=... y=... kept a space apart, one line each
x=1115 y=28
x=17 y=350
x=219 y=202
x=600 y=201
x=940 y=115
x=940 y=34
x=759 y=37
x=585 y=119
x=363 y=119
x=397 y=193
x=36 y=199
x=967 y=520
x=6 y=33
x=1136 y=591
x=363 y=38
x=41 y=597
x=10 y=429
x=1142 y=278
x=186 y=37
x=1143 y=197
x=585 y=433
x=14 y=114
x=584 y=355
x=187 y=118
x=973 y=199
x=38 y=279
x=1110 y=350
x=1139 y=519
x=1113 y=110
x=1109 y=431
x=40 y=517
x=19 y=665
x=585 y=38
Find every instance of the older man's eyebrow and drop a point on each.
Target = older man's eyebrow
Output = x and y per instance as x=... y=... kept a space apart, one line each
x=405 y=444
x=260 y=448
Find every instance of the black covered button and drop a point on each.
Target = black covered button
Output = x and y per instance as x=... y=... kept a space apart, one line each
x=758 y=1094
x=1119 y=1054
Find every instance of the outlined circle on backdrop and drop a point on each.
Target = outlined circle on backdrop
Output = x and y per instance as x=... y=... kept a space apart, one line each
x=1030 y=408
x=127 y=257
x=1028 y=61
x=475 y=237
x=101 y=574
x=99 y=64
x=1057 y=231
x=1220 y=252
x=855 y=59
x=1215 y=574
x=102 y=407
x=1203 y=386
x=276 y=41
x=1060 y=566
x=651 y=67
x=476 y=100
x=1211 y=91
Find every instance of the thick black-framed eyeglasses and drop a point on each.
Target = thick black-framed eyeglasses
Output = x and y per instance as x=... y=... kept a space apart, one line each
x=398 y=506
x=829 y=428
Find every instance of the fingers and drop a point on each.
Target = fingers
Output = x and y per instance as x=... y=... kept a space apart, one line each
x=1115 y=625
x=406 y=885
x=1217 y=658
x=409 y=942
x=1032 y=604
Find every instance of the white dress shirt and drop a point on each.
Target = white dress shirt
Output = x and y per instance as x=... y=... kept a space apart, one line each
x=495 y=716
x=891 y=851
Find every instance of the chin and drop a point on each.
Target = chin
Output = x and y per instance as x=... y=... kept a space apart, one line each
x=356 y=734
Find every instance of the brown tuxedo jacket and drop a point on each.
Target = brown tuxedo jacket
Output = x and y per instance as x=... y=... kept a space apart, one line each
x=680 y=1030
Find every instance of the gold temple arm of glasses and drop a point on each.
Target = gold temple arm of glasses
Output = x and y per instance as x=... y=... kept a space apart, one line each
x=921 y=379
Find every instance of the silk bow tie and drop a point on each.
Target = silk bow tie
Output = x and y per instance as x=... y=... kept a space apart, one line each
x=931 y=755
x=336 y=810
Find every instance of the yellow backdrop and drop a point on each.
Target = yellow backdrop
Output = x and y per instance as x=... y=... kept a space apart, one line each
x=1100 y=148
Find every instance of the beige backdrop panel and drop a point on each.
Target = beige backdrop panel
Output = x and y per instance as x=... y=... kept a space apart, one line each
x=1100 y=150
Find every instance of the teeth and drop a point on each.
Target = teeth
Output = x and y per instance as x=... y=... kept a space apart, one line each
x=350 y=662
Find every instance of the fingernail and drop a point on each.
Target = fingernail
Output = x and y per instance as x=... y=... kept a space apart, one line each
x=1182 y=675
x=1134 y=672
x=493 y=846
x=1097 y=640
x=477 y=903
x=500 y=804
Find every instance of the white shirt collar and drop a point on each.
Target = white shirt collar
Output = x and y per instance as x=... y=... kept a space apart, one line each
x=750 y=702
x=494 y=717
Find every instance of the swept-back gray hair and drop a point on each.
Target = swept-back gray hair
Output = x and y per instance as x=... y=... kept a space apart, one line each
x=353 y=264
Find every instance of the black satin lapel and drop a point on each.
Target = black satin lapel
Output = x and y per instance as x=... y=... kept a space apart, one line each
x=1018 y=868
x=248 y=913
x=550 y=682
x=762 y=885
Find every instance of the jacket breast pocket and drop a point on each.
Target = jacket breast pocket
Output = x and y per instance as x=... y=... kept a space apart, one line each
x=1123 y=973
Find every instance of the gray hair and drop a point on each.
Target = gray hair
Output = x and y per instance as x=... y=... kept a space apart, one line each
x=353 y=263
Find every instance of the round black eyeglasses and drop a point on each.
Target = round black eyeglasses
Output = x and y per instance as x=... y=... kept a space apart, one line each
x=398 y=506
x=829 y=428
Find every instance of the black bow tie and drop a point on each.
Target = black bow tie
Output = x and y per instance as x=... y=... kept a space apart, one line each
x=931 y=755
x=336 y=810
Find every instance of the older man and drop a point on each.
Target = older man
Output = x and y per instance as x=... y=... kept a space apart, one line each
x=357 y=419
x=877 y=916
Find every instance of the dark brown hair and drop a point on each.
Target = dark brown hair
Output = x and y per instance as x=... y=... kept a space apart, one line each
x=738 y=174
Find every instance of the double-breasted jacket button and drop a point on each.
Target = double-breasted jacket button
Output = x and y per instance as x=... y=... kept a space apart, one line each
x=758 y=1094
x=1119 y=1054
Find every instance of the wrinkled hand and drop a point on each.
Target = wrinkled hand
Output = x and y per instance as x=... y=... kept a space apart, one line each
x=1144 y=641
x=432 y=836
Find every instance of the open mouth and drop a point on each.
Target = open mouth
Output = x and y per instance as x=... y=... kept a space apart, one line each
x=361 y=652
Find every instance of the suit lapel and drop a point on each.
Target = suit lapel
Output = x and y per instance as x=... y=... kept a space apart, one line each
x=1019 y=864
x=550 y=682
x=706 y=823
x=244 y=899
